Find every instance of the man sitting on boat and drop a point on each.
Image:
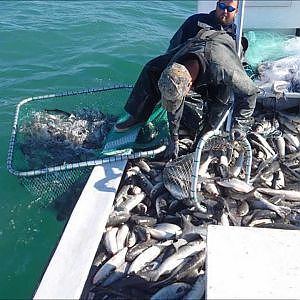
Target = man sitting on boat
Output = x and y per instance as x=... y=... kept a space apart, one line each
x=201 y=58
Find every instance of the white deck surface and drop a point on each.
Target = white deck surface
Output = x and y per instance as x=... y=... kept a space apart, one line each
x=253 y=263
x=69 y=267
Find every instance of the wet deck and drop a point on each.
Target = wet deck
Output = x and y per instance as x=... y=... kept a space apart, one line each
x=252 y=263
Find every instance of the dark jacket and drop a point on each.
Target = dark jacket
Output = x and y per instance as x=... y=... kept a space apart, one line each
x=190 y=28
x=222 y=72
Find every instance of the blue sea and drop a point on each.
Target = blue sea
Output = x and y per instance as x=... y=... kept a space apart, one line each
x=50 y=47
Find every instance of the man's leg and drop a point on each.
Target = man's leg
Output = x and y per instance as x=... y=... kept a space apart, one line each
x=145 y=94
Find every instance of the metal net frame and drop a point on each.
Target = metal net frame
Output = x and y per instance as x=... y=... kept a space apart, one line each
x=181 y=176
x=50 y=182
x=216 y=140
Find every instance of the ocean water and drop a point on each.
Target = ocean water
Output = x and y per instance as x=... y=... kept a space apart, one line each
x=50 y=47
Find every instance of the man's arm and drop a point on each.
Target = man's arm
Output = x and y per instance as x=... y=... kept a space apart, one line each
x=176 y=40
x=245 y=99
x=187 y=30
x=174 y=122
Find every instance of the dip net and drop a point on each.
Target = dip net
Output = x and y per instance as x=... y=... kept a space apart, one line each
x=57 y=139
x=181 y=176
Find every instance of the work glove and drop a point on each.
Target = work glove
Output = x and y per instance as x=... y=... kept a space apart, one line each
x=172 y=149
x=237 y=133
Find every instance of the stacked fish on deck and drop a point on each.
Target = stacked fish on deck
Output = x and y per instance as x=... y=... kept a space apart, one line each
x=154 y=246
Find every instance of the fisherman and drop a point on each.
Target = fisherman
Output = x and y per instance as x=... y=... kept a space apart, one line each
x=201 y=58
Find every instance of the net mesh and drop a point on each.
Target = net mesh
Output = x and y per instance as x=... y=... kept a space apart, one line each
x=57 y=139
x=217 y=143
x=178 y=174
x=48 y=187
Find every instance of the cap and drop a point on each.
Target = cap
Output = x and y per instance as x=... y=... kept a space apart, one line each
x=174 y=84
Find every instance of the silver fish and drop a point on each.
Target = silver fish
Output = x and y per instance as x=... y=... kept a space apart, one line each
x=100 y=258
x=280 y=144
x=282 y=211
x=117 y=217
x=289 y=194
x=268 y=179
x=131 y=202
x=143 y=182
x=224 y=219
x=198 y=289
x=266 y=169
x=290 y=149
x=142 y=233
x=191 y=266
x=158 y=189
x=292 y=139
x=163 y=231
x=117 y=274
x=210 y=187
x=147 y=256
x=136 y=190
x=263 y=149
x=289 y=173
x=122 y=194
x=121 y=236
x=116 y=261
x=260 y=222
x=235 y=170
x=279 y=181
x=177 y=258
x=142 y=165
x=289 y=125
x=191 y=232
x=110 y=240
x=204 y=165
x=262 y=141
x=172 y=291
x=270 y=169
x=243 y=209
x=161 y=206
x=224 y=159
x=143 y=220
x=138 y=249
x=131 y=239
x=187 y=142
x=236 y=184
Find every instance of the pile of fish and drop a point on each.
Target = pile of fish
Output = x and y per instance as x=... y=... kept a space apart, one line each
x=154 y=245
x=55 y=137
x=280 y=76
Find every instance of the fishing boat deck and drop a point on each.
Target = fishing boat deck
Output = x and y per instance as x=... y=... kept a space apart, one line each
x=252 y=263
x=242 y=262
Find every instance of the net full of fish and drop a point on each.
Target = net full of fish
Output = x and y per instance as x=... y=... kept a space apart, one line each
x=55 y=137
x=282 y=75
x=154 y=244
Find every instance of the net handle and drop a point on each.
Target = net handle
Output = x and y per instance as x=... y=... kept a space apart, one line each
x=90 y=163
x=44 y=97
x=239 y=25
